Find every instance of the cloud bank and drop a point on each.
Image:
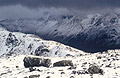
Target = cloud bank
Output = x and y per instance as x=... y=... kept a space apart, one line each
x=37 y=8
x=74 y=4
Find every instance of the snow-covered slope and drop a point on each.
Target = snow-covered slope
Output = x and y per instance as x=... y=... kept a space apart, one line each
x=13 y=67
x=61 y=25
x=94 y=33
x=19 y=43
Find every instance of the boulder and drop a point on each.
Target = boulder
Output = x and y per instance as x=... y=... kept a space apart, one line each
x=34 y=76
x=63 y=63
x=95 y=70
x=36 y=61
x=42 y=51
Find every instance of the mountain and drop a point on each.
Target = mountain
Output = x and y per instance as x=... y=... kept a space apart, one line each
x=98 y=32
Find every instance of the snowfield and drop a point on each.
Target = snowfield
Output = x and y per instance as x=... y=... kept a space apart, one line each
x=13 y=67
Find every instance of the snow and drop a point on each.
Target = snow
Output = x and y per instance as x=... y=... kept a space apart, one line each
x=26 y=40
x=8 y=66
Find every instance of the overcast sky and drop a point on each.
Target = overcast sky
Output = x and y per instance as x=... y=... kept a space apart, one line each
x=37 y=8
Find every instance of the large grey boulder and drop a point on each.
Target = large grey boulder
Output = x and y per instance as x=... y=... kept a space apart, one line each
x=36 y=61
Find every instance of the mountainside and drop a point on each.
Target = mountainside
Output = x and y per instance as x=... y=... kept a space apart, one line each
x=19 y=43
x=92 y=34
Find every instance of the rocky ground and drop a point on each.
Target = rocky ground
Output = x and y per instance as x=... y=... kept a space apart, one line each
x=97 y=65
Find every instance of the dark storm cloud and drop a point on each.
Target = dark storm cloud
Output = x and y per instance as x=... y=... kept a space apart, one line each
x=22 y=8
x=76 y=4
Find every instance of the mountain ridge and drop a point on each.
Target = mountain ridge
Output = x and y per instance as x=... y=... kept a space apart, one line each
x=87 y=34
x=27 y=44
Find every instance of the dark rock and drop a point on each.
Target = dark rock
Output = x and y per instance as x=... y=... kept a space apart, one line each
x=62 y=72
x=85 y=63
x=82 y=72
x=41 y=50
x=17 y=66
x=63 y=63
x=67 y=16
x=79 y=72
x=12 y=41
x=69 y=55
x=48 y=77
x=31 y=69
x=34 y=76
x=104 y=60
x=95 y=70
x=72 y=67
x=30 y=46
x=109 y=65
x=99 y=57
x=2 y=74
x=39 y=70
x=34 y=61
x=74 y=72
x=5 y=73
x=72 y=77
x=98 y=22
x=10 y=53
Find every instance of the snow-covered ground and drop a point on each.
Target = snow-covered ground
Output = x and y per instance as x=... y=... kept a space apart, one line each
x=13 y=67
